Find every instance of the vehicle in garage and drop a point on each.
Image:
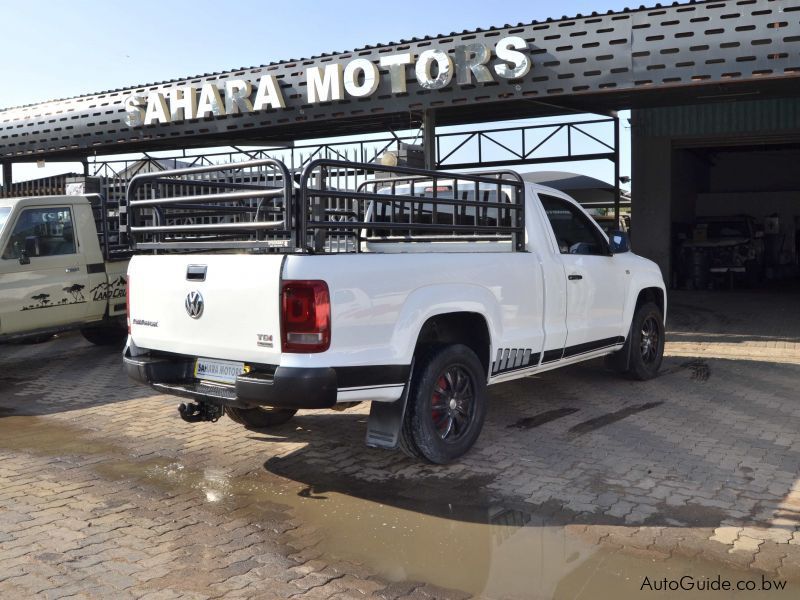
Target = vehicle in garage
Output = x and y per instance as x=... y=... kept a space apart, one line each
x=730 y=248
x=414 y=291
x=62 y=267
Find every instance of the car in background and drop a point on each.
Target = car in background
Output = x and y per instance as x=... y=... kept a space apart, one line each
x=731 y=246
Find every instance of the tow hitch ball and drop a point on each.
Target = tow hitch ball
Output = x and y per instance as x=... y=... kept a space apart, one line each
x=202 y=411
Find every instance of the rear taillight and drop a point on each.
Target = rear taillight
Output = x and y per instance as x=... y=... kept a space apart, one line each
x=128 y=303
x=305 y=316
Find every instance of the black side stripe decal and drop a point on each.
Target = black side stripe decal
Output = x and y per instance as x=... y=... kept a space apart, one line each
x=96 y=268
x=570 y=351
x=552 y=355
x=513 y=359
x=590 y=346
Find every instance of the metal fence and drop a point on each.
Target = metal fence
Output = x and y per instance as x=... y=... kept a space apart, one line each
x=55 y=185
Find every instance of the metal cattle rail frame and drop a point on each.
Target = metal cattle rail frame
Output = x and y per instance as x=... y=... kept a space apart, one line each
x=270 y=209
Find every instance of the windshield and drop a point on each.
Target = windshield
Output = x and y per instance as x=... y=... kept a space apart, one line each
x=4 y=212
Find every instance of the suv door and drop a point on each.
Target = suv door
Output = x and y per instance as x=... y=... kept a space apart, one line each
x=42 y=274
x=596 y=286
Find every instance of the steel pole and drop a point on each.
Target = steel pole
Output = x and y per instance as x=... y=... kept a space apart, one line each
x=616 y=171
x=7 y=175
x=429 y=138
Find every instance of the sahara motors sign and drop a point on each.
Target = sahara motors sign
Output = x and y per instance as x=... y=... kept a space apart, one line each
x=359 y=78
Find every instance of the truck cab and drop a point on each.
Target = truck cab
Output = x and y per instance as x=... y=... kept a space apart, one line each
x=58 y=268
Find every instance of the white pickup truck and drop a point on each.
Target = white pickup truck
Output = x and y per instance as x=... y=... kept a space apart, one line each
x=414 y=291
x=62 y=267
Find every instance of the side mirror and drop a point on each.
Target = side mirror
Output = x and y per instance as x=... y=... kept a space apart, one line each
x=23 y=258
x=618 y=242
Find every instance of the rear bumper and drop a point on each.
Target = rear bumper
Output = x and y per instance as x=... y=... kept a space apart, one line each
x=287 y=387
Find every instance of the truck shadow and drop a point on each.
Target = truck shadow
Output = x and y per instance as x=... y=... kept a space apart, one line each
x=580 y=446
x=63 y=374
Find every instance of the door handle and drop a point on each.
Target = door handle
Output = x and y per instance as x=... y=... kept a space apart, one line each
x=72 y=269
x=574 y=277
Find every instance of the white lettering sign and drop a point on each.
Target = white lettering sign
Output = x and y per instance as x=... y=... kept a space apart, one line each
x=434 y=69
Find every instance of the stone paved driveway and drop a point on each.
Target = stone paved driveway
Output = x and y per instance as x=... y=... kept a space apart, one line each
x=105 y=492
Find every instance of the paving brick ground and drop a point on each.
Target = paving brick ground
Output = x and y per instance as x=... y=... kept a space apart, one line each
x=105 y=492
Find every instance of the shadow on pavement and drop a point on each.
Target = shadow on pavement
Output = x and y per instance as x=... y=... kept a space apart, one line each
x=63 y=374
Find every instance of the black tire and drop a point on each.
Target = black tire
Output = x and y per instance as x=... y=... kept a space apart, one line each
x=260 y=417
x=644 y=348
x=105 y=336
x=446 y=405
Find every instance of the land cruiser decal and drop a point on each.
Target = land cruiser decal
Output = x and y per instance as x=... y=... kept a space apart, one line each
x=107 y=291
x=101 y=292
x=43 y=300
x=76 y=291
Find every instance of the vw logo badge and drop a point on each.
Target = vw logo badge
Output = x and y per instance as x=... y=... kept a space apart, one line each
x=194 y=305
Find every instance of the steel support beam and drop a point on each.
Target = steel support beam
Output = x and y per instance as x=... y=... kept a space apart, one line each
x=7 y=174
x=616 y=171
x=429 y=138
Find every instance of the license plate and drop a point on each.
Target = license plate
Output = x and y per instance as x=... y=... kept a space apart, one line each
x=223 y=371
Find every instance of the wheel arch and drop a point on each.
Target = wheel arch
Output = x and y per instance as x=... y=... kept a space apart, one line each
x=655 y=295
x=476 y=308
x=641 y=292
x=463 y=327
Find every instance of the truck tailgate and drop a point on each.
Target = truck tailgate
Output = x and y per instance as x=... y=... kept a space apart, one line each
x=236 y=305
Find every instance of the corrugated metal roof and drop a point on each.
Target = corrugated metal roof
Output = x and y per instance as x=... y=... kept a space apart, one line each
x=372 y=46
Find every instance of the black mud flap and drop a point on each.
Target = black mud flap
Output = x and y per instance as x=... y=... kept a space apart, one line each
x=386 y=419
x=620 y=360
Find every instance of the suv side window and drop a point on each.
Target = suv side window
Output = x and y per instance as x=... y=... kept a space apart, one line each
x=42 y=232
x=574 y=231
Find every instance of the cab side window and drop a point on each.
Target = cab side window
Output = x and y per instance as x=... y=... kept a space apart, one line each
x=42 y=232
x=574 y=231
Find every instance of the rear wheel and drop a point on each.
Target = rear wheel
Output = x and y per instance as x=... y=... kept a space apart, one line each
x=446 y=405
x=105 y=336
x=260 y=417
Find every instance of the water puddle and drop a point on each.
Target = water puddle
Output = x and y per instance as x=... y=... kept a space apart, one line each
x=46 y=437
x=448 y=533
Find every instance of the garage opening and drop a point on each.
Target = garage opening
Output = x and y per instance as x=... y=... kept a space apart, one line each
x=716 y=193
x=736 y=216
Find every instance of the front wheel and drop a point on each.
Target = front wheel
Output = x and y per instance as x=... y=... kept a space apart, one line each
x=260 y=417
x=446 y=405
x=645 y=344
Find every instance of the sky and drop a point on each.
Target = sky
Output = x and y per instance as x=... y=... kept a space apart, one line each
x=56 y=49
